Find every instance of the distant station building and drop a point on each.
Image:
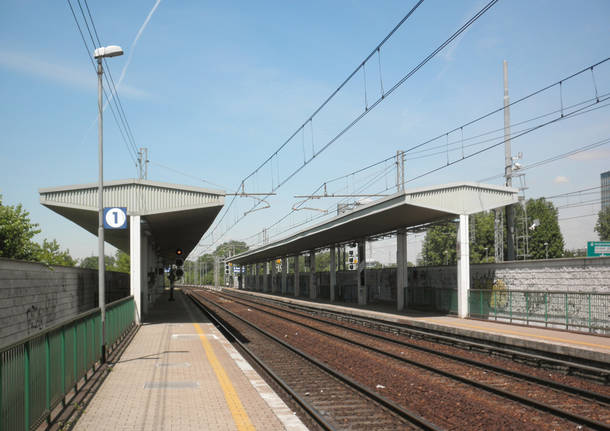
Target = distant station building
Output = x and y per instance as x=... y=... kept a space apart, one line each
x=605 y=183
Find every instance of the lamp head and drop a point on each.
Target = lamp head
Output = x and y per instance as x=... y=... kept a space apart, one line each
x=107 y=51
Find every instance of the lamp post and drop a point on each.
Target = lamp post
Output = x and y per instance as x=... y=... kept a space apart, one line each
x=546 y=249
x=486 y=253
x=99 y=54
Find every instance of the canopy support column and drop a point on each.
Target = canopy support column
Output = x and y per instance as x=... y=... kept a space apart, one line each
x=273 y=276
x=463 y=269
x=135 y=277
x=401 y=269
x=333 y=272
x=313 y=285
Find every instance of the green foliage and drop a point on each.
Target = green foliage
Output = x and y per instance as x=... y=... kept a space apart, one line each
x=482 y=249
x=323 y=261
x=50 y=253
x=120 y=262
x=230 y=248
x=547 y=232
x=16 y=233
x=88 y=262
x=439 y=246
x=602 y=227
x=442 y=237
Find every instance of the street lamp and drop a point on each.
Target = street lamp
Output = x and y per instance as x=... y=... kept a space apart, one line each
x=546 y=249
x=100 y=53
x=486 y=253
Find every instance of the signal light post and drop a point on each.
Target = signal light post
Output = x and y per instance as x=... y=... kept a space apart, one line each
x=176 y=273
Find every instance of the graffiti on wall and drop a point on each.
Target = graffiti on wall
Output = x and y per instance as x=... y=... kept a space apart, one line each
x=34 y=318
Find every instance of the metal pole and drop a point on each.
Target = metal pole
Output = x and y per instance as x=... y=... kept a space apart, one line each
x=508 y=166
x=100 y=193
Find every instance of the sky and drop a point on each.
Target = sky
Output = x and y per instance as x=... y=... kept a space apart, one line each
x=213 y=89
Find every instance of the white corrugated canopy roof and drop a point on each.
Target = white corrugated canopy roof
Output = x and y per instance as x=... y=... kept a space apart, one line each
x=176 y=216
x=401 y=210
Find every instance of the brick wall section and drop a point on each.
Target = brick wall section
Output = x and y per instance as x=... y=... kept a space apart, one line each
x=34 y=296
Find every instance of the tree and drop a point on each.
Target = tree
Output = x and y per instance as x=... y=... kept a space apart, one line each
x=16 y=233
x=50 y=253
x=91 y=262
x=482 y=248
x=230 y=248
x=602 y=227
x=122 y=262
x=546 y=232
x=438 y=247
x=323 y=261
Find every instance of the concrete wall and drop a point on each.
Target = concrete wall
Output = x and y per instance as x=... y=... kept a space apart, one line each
x=573 y=274
x=34 y=296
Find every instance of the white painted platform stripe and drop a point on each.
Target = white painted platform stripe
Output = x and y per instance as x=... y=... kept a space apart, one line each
x=288 y=418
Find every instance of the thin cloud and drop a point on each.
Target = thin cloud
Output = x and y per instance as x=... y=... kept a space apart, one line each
x=591 y=155
x=561 y=179
x=32 y=64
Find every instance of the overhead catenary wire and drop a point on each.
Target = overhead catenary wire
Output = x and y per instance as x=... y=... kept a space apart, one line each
x=128 y=144
x=583 y=107
x=115 y=94
x=358 y=117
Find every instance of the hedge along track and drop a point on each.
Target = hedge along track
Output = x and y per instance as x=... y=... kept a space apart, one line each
x=333 y=401
x=548 y=396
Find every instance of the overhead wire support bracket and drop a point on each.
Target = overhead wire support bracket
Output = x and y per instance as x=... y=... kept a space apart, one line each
x=371 y=195
x=295 y=207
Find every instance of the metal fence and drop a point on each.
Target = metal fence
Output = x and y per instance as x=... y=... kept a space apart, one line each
x=577 y=311
x=38 y=372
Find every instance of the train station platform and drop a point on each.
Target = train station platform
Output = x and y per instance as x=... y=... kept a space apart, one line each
x=180 y=373
x=583 y=346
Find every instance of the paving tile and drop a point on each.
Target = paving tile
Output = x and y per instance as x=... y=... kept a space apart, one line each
x=165 y=381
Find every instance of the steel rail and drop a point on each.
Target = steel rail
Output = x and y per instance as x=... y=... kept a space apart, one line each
x=312 y=411
x=592 y=371
x=595 y=396
x=506 y=394
x=390 y=405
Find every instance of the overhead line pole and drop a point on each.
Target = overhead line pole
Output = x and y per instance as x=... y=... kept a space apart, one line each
x=508 y=171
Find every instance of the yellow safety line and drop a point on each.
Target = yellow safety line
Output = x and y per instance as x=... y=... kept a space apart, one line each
x=503 y=331
x=237 y=409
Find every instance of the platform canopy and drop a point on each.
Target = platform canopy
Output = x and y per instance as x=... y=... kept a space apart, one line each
x=406 y=209
x=175 y=216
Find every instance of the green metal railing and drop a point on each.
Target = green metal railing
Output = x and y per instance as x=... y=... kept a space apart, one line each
x=578 y=311
x=38 y=372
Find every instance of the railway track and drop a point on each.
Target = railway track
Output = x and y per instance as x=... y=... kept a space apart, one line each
x=598 y=372
x=505 y=392
x=331 y=400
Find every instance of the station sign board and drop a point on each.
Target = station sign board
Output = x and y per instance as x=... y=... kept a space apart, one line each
x=598 y=248
x=115 y=218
